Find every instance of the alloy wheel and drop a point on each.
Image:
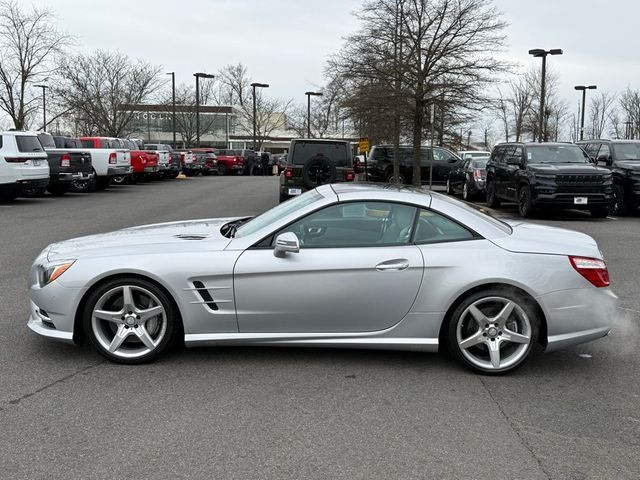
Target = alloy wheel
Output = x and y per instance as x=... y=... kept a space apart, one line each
x=494 y=333
x=129 y=321
x=465 y=191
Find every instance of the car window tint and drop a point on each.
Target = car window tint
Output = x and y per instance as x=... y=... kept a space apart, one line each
x=356 y=224
x=604 y=151
x=434 y=228
x=591 y=149
x=28 y=143
x=334 y=152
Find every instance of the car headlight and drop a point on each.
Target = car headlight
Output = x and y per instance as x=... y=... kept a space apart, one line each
x=49 y=272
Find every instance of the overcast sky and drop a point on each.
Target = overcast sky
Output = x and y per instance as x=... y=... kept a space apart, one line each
x=286 y=42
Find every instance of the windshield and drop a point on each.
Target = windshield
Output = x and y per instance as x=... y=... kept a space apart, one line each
x=278 y=212
x=46 y=140
x=556 y=154
x=627 y=151
x=480 y=163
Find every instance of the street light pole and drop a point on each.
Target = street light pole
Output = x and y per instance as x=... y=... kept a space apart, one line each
x=584 y=89
x=309 y=94
x=198 y=76
x=173 y=106
x=541 y=53
x=254 y=86
x=44 y=106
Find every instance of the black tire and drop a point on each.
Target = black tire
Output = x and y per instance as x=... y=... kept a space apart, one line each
x=619 y=206
x=466 y=194
x=523 y=320
x=222 y=170
x=402 y=178
x=526 y=208
x=8 y=195
x=102 y=183
x=447 y=188
x=492 y=199
x=171 y=320
x=58 y=189
x=599 y=212
x=318 y=170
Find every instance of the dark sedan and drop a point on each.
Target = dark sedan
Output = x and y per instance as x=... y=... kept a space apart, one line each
x=469 y=179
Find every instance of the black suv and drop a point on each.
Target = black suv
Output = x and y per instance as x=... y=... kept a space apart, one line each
x=380 y=164
x=312 y=163
x=547 y=175
x=622 y=157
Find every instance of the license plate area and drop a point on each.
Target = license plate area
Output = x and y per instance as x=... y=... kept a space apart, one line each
x=580 y=200
x=295 y=191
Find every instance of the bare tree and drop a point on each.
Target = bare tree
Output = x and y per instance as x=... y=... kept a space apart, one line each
x=29 y=41
x=630 y=105
x=104 y=88
x=186 y=124
x=448 y=46
x=599 y=113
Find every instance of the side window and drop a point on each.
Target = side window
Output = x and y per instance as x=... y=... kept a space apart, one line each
x=498 y=155
x=362 y=224
x=435 y=228
x=515 y=156
x=439 y=155
x=604 y=152
x=466 y=164
x=591 y=149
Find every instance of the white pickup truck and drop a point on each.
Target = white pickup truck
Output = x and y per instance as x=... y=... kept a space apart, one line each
x=23 y=163
x=108 y=158
x=169 y=166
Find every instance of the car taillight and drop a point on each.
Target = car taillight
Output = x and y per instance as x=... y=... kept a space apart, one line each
x=592 y=269
x=477 y=174
x=113 y=158
x=349 y=175
x=65 y=160
x=288 y=173
x=15 y=160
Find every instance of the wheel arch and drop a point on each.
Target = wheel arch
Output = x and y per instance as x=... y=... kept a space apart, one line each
x=542 y=337
x=79 y=334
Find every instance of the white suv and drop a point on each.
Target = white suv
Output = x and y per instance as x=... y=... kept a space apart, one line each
x=23 y=163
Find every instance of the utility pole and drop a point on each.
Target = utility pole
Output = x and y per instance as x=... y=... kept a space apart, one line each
x=541 y=53
x=173 y=106
x=584 y=89
x=44 y=106
x=198 y=76
x=254 y=86
x=309 y=94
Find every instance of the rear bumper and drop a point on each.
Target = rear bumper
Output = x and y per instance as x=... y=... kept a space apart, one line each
x=151 y=169
x=70 y=177
x=37 y=182
x=118 y=170
x=577 y=316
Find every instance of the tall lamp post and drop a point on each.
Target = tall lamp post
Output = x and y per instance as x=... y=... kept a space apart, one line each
x=584 y=89
x=309 y=94
x=44 y=106
x=541 y=53
x=173 y=106
x=254 y=86
x=198 y=76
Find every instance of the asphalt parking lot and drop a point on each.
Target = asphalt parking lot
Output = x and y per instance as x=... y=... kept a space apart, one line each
x=301 y=413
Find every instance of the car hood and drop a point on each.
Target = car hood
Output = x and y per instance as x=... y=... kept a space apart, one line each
x=570 y=168
x=633 y=165
x=154 y=238
x=532 y=238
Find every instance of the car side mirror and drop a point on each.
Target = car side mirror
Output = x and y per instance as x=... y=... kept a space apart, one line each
x=452 y=160
x=604 y=160
x=286 y=242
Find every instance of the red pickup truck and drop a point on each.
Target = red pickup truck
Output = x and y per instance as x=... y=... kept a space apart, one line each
x=232 y=161
x=144 y=162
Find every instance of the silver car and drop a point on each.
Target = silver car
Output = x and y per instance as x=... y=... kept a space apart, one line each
x=360 y=266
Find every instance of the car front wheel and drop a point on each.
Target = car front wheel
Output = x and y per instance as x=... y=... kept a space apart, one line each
x=493 y=331
x=492 y=199
x=130 y=320
x=525 y=202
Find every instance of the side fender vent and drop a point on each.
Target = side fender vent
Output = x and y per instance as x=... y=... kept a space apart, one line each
x=205 y=295
x=191 y=237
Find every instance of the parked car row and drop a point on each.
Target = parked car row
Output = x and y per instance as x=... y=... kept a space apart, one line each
x=600 y=176
x=32 y=163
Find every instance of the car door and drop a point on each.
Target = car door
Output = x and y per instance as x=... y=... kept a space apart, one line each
x=444 y=162
x=498 y=167
x=514 y=160
x=355 y=272
x=458 y=175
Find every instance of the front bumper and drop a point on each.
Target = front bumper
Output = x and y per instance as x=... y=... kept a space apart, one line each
x=577 y=316
x=567 y=200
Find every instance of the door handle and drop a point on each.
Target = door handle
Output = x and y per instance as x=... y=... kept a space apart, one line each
x=396 y=264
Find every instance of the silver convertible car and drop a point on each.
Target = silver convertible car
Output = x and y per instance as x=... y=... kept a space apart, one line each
x=347 y=265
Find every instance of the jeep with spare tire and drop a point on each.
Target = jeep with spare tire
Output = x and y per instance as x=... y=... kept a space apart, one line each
x=315 y=162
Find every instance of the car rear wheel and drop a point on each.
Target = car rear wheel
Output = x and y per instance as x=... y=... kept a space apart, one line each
x=130 y=320
x=465 y=192
x=493 y=331
x=401 y=179
x=492 y=199
x=619 y=206
x=525 y=202
x=448 y=190
x=222 y=169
